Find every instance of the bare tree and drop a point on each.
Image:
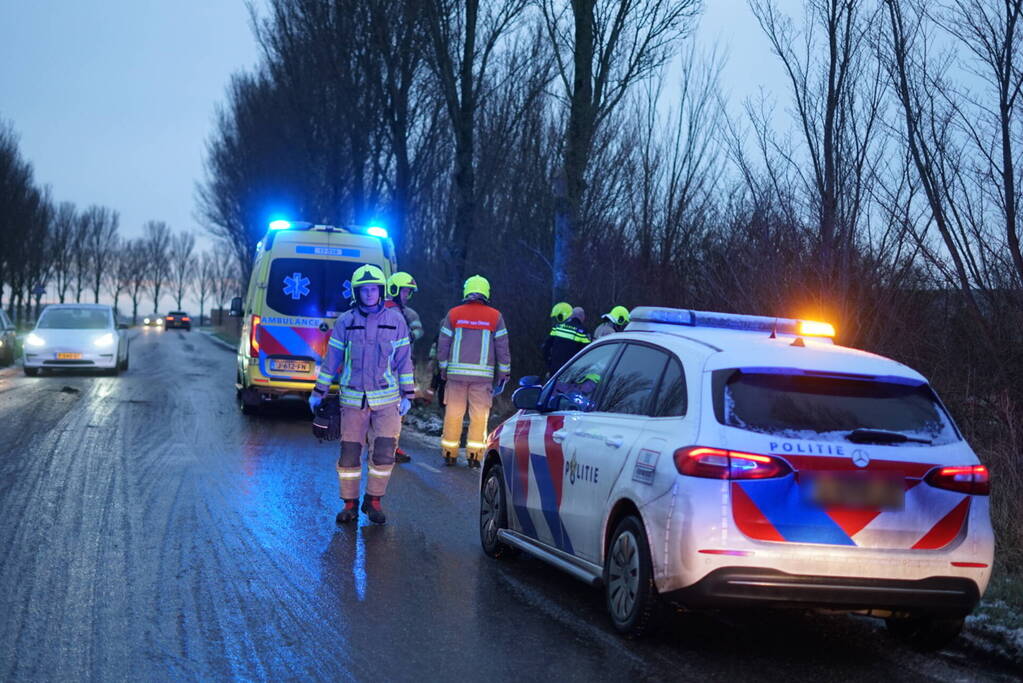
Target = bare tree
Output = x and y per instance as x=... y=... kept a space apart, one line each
x=100 y=242
x=118 y=276
x=81 y=257
x=463 y=37
x=602 y=47
x=157 y=241
x=182 y=264
x=63 y=247
x=204 y=281
x=135 y=268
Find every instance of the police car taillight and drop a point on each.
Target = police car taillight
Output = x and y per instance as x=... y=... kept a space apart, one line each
x=715 y=463
x=965 y=479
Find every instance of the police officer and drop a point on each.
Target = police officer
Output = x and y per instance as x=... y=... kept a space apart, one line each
x=565 y=340
x=370 y=348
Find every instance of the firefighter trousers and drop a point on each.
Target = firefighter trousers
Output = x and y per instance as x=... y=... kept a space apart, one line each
x=459 y=396
x=356 y=424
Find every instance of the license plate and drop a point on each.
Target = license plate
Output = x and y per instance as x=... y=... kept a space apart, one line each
x=858 y=491
x=284 y=365
x=69 y=356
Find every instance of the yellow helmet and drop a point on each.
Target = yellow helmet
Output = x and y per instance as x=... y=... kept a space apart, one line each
x=619 y=315
x=562 y=311
x=399 y=280
x=477 y=284
x=368 y=275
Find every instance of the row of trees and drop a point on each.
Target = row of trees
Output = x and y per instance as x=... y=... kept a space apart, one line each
x=79 y=255
x=541 y=143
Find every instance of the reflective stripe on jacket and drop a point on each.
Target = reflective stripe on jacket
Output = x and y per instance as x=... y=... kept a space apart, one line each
x=373 y=355
x=473 y=343
x=564 y=341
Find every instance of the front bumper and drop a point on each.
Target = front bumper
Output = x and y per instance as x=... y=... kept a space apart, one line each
x=48 y=359
x=730 y=587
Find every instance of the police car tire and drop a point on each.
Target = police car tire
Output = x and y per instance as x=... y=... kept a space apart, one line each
x=925 y=633
x=644 y=614
x=495 y=494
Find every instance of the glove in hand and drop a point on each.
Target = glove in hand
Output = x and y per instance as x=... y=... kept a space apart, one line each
x=314 y=402
x=499 y=387
x=404 y=406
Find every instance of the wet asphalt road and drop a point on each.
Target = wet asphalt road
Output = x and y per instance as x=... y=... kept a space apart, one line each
x=150 y=531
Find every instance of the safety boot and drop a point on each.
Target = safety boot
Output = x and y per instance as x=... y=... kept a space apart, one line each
x=449 y=460
x=348 y=513
x=400 y=455
x=473 y=460
x=371 y=506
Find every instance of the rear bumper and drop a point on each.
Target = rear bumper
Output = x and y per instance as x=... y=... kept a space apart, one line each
x=752 y=586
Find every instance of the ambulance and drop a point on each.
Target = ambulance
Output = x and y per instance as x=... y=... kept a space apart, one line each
x=300 y=284
x=711 y=460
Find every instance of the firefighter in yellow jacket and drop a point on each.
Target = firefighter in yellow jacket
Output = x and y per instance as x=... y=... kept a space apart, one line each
x=473 y=354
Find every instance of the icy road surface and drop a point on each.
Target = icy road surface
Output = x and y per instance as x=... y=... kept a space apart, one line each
x=150 y=531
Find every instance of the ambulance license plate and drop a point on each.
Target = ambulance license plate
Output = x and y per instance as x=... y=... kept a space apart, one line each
x=838 y=490
x=285 y=365
x=69 y=356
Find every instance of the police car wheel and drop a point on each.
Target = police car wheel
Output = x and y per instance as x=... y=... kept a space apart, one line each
x=632 y=599
x=493 y=512
x=925 y=633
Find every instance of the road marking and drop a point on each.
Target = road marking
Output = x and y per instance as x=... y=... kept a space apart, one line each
x=428 y=467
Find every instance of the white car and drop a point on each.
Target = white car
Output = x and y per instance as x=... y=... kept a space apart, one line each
x=76 y=336
x=716 y=460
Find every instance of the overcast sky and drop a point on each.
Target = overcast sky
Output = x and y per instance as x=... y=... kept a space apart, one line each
x=114 y=99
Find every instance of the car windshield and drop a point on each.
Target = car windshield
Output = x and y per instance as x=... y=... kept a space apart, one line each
x=314 y=288
x=74 y=319
x=833 y=408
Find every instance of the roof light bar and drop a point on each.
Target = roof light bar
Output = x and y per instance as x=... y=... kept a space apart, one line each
x=731 y=321
x=280 y=224
x=377 y=231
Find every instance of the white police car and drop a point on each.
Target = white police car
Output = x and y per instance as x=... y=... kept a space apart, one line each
x=716 y=460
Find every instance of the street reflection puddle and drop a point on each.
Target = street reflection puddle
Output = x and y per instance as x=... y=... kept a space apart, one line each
x=359 y=564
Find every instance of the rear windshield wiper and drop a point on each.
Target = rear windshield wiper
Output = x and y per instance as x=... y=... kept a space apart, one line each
x=882 y=436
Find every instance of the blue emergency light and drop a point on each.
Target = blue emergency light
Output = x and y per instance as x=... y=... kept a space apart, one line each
x=376 y=231
x=280 y=224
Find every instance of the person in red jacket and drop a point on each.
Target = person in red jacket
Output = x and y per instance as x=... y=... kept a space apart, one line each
x=473 y=353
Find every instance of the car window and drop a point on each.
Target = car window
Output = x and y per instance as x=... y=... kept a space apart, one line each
x=633 y=380
x=577 y=385
x=74 y=319
x=671 y=395
x=315 y=288
x=800 y=406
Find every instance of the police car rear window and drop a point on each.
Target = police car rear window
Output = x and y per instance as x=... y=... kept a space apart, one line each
x=312 y=288
x=800 y=406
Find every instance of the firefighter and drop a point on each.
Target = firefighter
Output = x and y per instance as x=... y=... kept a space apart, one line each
x=614 y=321
x=565 y=340
x=561 y=312
x=400 y=287
x=370 y=348
x=472 y=352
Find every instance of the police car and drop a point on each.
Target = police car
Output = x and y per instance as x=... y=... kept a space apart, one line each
x=713 y=460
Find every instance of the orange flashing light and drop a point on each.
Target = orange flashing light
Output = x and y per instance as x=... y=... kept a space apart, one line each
x=813 y=328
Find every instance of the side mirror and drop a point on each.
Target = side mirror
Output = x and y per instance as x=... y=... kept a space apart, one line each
x=526 y=398
x=529 y=381
x=122 y=326
x=236 y=307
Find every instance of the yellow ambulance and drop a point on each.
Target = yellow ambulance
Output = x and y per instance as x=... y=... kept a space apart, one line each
x=300 y=284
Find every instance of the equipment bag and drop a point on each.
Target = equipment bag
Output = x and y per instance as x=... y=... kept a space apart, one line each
x=327 y=422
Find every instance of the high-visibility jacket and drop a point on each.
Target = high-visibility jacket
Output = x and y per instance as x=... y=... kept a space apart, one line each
x=371 y=351
x=473 y=344
x=605 y=328
x=564 y=341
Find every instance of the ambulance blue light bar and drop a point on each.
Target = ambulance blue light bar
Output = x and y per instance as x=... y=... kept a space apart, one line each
x=731 y=321
x=280 y=224
x=377 y=231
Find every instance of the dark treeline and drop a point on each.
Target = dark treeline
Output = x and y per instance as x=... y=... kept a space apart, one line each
x=78 y=255
x=546 y=145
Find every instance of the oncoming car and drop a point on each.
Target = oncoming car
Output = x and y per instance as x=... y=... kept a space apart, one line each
x=722 y=461
x=76 y=336
x=154 y=320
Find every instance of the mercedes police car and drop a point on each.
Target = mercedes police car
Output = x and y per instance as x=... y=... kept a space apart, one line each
x=713 y=460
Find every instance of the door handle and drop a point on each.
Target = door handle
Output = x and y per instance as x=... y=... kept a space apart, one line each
x=615 y=441
x=559 y=435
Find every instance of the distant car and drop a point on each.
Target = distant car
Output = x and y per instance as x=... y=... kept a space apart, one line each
x=76 y=336
x=713 y=460
x=154 y=320
x=178 y=319
x=8 y=338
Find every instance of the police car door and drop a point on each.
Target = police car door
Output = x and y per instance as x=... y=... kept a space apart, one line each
x=553 y=438
x=608 y=436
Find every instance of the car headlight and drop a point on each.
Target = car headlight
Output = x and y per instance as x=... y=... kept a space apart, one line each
x=145 y=321
x=34 y=339
x=159 y=321
x=106 y=340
